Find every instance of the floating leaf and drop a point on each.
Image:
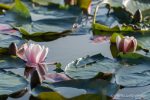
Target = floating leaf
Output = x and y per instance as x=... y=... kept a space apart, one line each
x=119 y=20
x=83 y=4
x=131 y=70
x=18 y=12
x=7 y=62
x=11 y=83
x=130 y=5
x=132 y=93
x=77 y=88
x=49 y=29
x=100 y=29
x=48 y=2
x=88 y=67
x=135 y=75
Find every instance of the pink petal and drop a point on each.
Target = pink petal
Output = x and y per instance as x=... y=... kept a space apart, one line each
x=34 y=52
x=21 y=52
x=118 y=41
x=28 y=53
x=125 y=44
x=135 y=44
x=44 y=54
x=37 y=53
x=42 y=70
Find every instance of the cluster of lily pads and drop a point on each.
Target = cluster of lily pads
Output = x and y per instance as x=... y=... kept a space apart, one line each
x=126 y=28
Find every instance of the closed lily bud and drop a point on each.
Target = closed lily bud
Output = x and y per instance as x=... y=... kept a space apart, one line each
x=126 y=44
x=13 y=49
x=137 y=18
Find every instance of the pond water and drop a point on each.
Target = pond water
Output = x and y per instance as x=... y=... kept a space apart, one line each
x=78 y=44
x=69 y=48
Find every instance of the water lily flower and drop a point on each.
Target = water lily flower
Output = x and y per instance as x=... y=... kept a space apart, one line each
x=34 y=55
x=126 y=44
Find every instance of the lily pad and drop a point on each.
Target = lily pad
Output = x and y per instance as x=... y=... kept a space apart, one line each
x=88 y=67
x=8 y=62
x=133 y=93
x=49 y=25
x=119 y=20
x=11 y=83
x=49 y=29
x=130 y=70
x=77 y=88
x=144 y=41
x=131 y=5
x=17 y=13
x=135 y=75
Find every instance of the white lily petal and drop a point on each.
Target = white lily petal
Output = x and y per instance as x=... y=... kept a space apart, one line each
x=118 y=40
x=135 y=44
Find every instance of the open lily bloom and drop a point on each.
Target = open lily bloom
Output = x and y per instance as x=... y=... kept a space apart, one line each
x=126 y=44
x=34 y=55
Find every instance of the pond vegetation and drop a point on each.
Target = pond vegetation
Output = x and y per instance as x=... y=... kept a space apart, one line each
x=74 y=49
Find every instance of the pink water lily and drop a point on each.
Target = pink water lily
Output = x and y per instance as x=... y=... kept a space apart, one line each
x=33 y=54
x=126 y=44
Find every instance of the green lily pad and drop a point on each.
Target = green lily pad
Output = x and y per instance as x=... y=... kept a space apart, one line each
x=49 y=25
x=11 y=83
x=130 y=70
x=144 y=41
x=17 y=12
x=133 y=93
x=8 y=62
x=119 y=20
x=84 y=4
x=46 y=2
x=135 y=75
x=49 y=29
x=77 y=88
x=88 y=67
x=130 y=5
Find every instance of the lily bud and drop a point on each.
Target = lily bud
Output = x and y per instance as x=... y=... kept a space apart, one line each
x=13 y=49
x=126 y=44
x=137 y=16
